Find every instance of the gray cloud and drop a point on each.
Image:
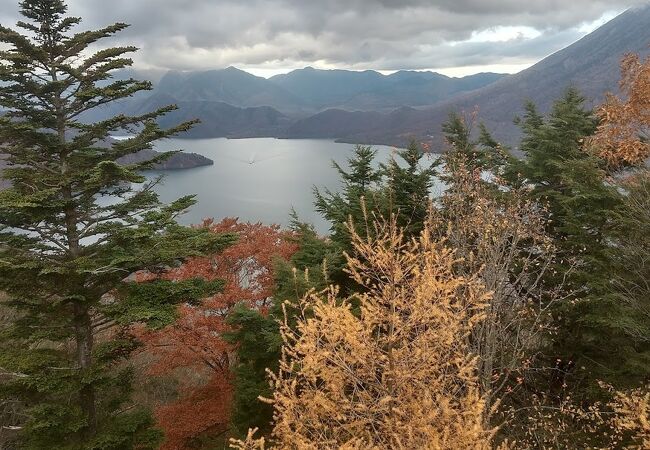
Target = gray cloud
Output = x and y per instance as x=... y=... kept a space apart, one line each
x=358 y=34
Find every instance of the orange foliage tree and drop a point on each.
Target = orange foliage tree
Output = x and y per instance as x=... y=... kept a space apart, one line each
x=193 y=349
x=622 y=136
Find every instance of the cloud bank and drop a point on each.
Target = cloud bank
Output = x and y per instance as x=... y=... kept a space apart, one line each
x=276 y=35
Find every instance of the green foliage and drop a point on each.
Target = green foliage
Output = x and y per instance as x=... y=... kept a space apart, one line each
x=134 y=429
x=484 y=154
x=73 y=227
x=409 y=188
x=359 y=194
x=258 y=347
x=458 y=134
x=401 y=187
x=570 y=183
x=581 y=201
x=319 y=260
x=625 y=308
x=155 y=302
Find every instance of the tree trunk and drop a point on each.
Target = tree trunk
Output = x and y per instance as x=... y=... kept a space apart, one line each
x=82 y=321
x=84 y=339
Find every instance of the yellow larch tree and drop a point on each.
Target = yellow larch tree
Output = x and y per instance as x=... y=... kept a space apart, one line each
x=387 y=369
x=632 y=417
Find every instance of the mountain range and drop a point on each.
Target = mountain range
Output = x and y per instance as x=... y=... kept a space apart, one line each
x=310 y=90
x=373 y=108
x=591 y=65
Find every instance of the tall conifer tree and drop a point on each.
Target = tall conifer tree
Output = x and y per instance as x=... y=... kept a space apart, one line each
x=359 y=193
x=570 y=182
x=409 y=188
x=484 y=154
x=580 y=201
x=73 y=228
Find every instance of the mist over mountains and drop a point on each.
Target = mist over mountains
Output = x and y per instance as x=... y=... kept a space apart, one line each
x=372 y=108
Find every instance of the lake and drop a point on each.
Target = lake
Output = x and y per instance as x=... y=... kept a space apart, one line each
x=257 y=180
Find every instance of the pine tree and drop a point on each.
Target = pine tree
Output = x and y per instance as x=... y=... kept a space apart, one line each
x=258 y=347
x=73 y=227
x=361 y=196
x=573 y=186
x=532 y=120
x=409 y=188
x=627 y=309
x=569 y=180
x=484 y=154
x=358 y=195
x=458 y=133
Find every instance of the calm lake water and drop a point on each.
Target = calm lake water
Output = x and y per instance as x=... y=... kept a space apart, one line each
x=257 y=180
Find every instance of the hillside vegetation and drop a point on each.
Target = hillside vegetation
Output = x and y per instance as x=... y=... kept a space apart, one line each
x=511 y=311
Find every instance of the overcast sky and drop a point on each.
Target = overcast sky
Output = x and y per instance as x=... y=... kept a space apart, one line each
x=455 y=37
